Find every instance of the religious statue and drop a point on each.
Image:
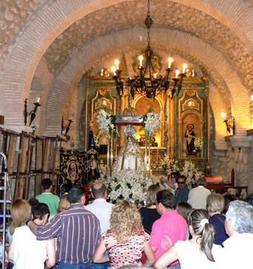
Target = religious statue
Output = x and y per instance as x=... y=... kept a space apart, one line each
x=130 y=157
x=93 y=171
x=190 y=140
x=73 y=171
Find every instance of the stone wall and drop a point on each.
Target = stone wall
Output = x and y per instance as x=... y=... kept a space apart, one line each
x=238 y=158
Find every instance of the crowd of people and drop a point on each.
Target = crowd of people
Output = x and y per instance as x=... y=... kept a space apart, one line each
x=177 y=228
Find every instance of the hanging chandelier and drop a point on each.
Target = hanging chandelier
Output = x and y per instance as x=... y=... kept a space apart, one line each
x=148 y=81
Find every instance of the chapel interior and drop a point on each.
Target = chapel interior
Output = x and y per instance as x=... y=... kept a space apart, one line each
x=56 y=75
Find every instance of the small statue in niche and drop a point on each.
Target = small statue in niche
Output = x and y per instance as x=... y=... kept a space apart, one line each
x=93 y=165
x=190 y=137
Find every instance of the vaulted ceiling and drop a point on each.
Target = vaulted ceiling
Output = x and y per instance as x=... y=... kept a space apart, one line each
x=215 y=36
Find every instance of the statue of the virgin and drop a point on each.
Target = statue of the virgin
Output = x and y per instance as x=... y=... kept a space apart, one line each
x=130 y=157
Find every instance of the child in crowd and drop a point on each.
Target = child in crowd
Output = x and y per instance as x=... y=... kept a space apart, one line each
x=25 y=251
x=40 y=214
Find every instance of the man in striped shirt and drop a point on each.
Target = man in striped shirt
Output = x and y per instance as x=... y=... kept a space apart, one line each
x=77 y=231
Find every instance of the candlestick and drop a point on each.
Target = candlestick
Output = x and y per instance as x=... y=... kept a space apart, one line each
x=177 y=72
x=170 y=61
x=184 y=68
x=116 y=64
x=141 y=58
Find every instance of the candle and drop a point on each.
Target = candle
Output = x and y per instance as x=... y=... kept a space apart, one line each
x=38 y=100
x=177 y=72
x=113 y=69
x=141 y=58
x=170 y=61
x=184 y=68
x=155 y=75
x=223 y=115
x=193 y=73
x=116 y=63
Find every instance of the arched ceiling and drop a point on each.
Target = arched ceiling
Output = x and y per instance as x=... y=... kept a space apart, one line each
x=60 y=28
x=166 y=14
x=13 y=16
x=103 y=49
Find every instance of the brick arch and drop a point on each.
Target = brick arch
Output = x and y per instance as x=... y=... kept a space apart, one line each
x=212 y=59
x=49 y=23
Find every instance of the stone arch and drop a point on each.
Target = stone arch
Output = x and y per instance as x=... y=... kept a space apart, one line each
x=210 y=58
x=40 y=32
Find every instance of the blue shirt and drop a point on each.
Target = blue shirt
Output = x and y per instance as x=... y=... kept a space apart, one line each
x=218 y=221
x=181 y=195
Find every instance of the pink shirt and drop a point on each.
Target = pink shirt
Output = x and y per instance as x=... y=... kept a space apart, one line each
x=166 y=231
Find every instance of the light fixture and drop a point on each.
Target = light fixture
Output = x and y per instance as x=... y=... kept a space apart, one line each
x=32 y=113
x=149 y=82
x=229 y=122
x=223 y=115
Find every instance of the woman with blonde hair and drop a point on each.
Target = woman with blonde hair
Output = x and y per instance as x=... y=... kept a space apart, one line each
x=215 y=207
x=194 y=253
x=64 y=203
x=126 y=239
x=21 y=212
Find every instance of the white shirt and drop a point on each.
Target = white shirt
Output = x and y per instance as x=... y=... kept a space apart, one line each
x=102 y=210
x=197 y=197
x=29 y=253
x=237 y=252
x=191 y=257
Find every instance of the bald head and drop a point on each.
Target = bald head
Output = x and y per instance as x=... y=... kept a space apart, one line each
x=99 y=190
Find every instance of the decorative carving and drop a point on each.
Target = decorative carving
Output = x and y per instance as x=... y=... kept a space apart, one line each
x=72 y=166
x=188 y=124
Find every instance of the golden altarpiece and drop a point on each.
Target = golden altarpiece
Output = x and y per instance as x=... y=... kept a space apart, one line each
x=183 y=132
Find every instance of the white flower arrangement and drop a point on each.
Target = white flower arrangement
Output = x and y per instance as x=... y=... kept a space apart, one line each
x=151 y=123
x=106 y=122
x=188 y=170
x=128 y=185
x=191 y=173
x=170 y=165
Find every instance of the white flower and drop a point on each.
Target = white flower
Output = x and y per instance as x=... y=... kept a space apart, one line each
x=188 y=169
x=129 y=185
x=151 y=123
x=105 y=122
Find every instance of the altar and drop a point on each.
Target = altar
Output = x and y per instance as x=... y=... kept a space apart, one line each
x=184 y=127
